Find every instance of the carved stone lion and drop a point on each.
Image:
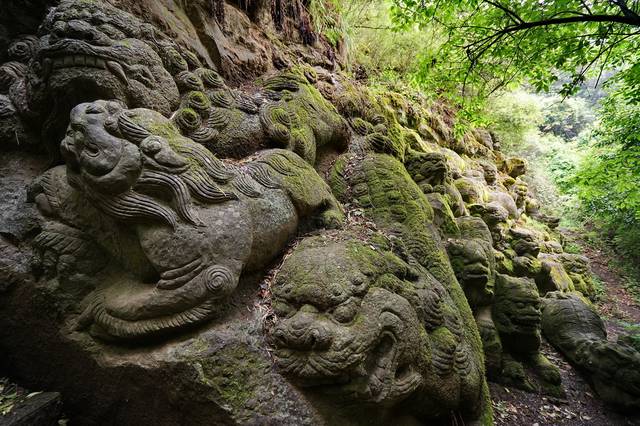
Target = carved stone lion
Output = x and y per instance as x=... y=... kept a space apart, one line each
x=179 y=224
x=288 y=112
x=432 y=173
x=358 y=322
x=473 y=260
x=517 y=316
x=93 y=50
x=517 y=313
x=574 y=327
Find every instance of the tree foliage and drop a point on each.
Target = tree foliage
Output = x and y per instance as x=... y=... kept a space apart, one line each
x=566 y=118
x=608 y=179
x=498 y=42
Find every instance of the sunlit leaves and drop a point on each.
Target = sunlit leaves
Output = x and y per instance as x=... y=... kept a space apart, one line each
x=494 y=43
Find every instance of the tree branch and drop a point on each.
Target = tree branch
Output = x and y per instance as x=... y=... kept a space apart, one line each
x=586 y=6
x=619 y=19
x=514 y=16
x=626 y=11
x=369 y=27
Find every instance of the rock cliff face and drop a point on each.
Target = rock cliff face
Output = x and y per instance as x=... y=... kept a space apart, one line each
x=206 y=222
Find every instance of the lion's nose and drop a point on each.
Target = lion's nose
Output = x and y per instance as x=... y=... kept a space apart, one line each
x=304 y=332
x=67 y=151
x=319 y=338
x=303 y=318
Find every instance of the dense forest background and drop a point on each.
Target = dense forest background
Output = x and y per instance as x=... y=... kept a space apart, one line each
x=557 y=82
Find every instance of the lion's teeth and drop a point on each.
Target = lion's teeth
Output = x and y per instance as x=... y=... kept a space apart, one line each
x=47 y=65
x=117 y=70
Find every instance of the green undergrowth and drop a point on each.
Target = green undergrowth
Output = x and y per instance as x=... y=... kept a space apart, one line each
x=633 y=333
x=599 y=288
x=627 y=272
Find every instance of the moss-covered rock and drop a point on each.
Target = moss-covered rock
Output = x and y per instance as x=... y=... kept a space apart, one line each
x=471 y=190
x=577 y=267
x=574 y=327
x=553 y=277
x=361 y=323
x=384 y=286
x=526 y=266
x=443 y=217
x=472 y=259
x=517 y=316
x=514 y=167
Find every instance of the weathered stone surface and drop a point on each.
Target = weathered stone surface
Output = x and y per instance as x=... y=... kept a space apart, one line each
x=358 y=323
x=220 y=374
x=473 y=261
x=187 y=249
x=43 y=409
x=161 y=156
x=288 y=113
x=517 y=317
x=553 y=277
x=514 y=167
x=577 y=268
x=572 y=326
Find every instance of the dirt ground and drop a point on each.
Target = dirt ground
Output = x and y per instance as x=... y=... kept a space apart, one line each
x=513 y=407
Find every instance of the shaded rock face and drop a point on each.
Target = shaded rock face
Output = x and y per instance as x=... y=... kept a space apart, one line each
x=517 y=313
x=473 y=261
x=187 y=254
x=287 y=112
x=174 y=195
x=577 y=331
x=91 y=50
x=358 y=323
x=163 y=220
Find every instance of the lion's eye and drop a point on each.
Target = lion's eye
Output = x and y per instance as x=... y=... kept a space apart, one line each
x=91 y=149
x=345 y=312
x=150 y=146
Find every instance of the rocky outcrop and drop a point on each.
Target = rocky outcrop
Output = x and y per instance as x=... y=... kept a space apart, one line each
x=575 y=328
x=206 y=218
x=362 y=325
x=220 y=220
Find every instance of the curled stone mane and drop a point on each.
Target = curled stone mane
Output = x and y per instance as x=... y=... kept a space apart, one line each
x=173 y=167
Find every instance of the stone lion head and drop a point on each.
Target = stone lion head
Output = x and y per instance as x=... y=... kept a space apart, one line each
x=91 y=50
x=490 y=172
x=473 y=260
x=336 y=327
x=122 y=159
x=517 y=314
x=94 y=49
x=431 y=168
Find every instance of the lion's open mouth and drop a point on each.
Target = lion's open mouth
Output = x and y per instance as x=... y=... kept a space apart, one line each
x=84 y=61
x=382 y=369
x=526 y=322
x=75 y=54
x=78 y=61
x=379 y=377
x=477 y=274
